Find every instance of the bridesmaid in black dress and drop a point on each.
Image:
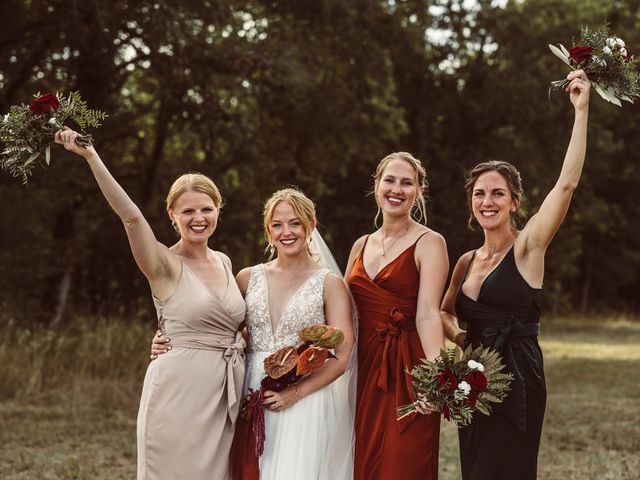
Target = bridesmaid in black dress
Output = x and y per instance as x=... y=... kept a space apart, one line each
x=495 y=291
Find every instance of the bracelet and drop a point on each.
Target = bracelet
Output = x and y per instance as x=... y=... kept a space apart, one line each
x=295 y=389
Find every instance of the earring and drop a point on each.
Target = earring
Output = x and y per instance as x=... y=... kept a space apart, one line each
x=175 y=226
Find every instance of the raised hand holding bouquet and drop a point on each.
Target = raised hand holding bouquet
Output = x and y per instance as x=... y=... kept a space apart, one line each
x=27 y=131
x=458 y=384
x=608 y=62
x=283 y=369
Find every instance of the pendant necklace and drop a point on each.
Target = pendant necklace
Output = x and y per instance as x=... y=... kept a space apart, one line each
x=393 y=242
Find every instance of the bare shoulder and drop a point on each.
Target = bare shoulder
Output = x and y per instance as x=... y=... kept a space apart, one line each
x=333 y=285
x=429 y=241
x=463 y=262
x=357 y=245
x=242 y=279
x=225 y=258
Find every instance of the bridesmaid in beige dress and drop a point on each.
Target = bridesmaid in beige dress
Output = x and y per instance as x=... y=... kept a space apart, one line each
x=191 y=395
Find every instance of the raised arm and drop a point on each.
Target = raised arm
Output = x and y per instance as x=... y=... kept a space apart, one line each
x=153 y=258
x=433 y=263
x=541 y=228
x=448 y=309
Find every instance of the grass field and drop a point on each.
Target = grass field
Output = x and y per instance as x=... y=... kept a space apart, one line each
x=68 y=401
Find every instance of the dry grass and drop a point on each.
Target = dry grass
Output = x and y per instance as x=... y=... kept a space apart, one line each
x=592 y=424
x=68 y=401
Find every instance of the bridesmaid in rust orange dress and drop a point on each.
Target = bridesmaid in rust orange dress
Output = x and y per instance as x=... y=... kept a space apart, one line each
x=397 y=276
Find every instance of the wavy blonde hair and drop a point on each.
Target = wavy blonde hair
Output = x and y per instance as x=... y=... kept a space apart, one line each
x=302 y=205
x=419 y=208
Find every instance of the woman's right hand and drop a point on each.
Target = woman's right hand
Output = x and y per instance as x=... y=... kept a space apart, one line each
x=159 y=345
x=67 y=138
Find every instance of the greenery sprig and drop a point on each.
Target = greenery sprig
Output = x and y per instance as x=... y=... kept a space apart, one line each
x=608 y=62
x=27 y=131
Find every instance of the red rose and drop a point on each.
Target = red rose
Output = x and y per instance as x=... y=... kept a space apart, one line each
x=44 y=104
x=580 y=54
x=473 y=397
x=447 y=378
x=477 y=380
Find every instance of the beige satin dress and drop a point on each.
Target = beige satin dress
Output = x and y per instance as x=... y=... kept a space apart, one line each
x=192 y=394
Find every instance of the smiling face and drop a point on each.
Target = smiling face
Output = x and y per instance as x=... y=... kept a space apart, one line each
x=287 y=231
x=397 y=188
x=492 y=202
x=195 y=216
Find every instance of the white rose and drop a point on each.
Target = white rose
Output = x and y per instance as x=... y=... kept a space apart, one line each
x=623 y=52
x=464 y=387
x=620 y=42
x=611 y=42
x=472 y=364
x=480 y=367
x=606 y=50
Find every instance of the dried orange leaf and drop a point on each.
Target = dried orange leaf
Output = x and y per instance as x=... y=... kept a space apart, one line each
x=311 y=359
x=281 y=362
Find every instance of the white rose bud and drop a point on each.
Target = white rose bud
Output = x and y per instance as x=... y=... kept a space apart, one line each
x=620 y=42
x=480 y=367
x=52 y=121
x=611 y=42
x=606 y=50
x=5 y=119
x=623 y=52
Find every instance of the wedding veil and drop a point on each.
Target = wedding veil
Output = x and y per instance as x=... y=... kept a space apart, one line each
x=342 y=440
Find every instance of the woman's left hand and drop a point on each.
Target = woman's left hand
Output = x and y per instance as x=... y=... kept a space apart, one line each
x=579 y=88
x=278 y=401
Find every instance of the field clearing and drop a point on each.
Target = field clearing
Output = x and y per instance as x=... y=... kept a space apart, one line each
x=68 y=402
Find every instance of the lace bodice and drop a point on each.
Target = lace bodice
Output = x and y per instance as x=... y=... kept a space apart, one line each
x=305 y=308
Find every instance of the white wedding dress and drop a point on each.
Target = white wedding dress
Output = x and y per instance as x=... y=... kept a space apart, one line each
x=300 y=440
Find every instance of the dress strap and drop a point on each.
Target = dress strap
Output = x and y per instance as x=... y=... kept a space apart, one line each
x=466 y=271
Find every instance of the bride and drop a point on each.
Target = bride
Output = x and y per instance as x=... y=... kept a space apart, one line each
x=309 y=425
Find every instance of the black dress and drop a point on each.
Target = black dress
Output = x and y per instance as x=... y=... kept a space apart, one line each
x=504 y=445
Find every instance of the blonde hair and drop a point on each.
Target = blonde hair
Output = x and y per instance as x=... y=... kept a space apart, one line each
x=193 y=182
x=419 y=205
x=302 y=205
x=514 y=183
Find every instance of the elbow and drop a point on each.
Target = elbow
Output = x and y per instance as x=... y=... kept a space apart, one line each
x=131 y=220
x=568 y=186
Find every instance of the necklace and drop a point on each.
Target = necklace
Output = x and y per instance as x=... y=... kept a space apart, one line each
x=384 y=253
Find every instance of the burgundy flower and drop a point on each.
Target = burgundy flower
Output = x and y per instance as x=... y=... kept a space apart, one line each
x=447 y=378
x=629 y=57
x=44 y=104
x=477 y=380
x=580 y=54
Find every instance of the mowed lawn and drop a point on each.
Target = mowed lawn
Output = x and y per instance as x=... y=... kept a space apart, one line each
x=79 y=422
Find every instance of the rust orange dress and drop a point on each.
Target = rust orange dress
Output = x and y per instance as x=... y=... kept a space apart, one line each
x=388 y=345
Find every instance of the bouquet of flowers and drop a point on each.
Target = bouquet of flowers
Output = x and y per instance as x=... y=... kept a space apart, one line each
x=459 y=384
x=27 y=131
x=283 y=368
x=606 y=60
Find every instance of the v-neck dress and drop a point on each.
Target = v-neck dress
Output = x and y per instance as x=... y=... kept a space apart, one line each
x=297 y=443
x=388 y=346
x=506 y=315
x=191 y=394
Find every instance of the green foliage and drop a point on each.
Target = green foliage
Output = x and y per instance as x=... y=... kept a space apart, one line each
x=27 y=136
x=261 y=95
